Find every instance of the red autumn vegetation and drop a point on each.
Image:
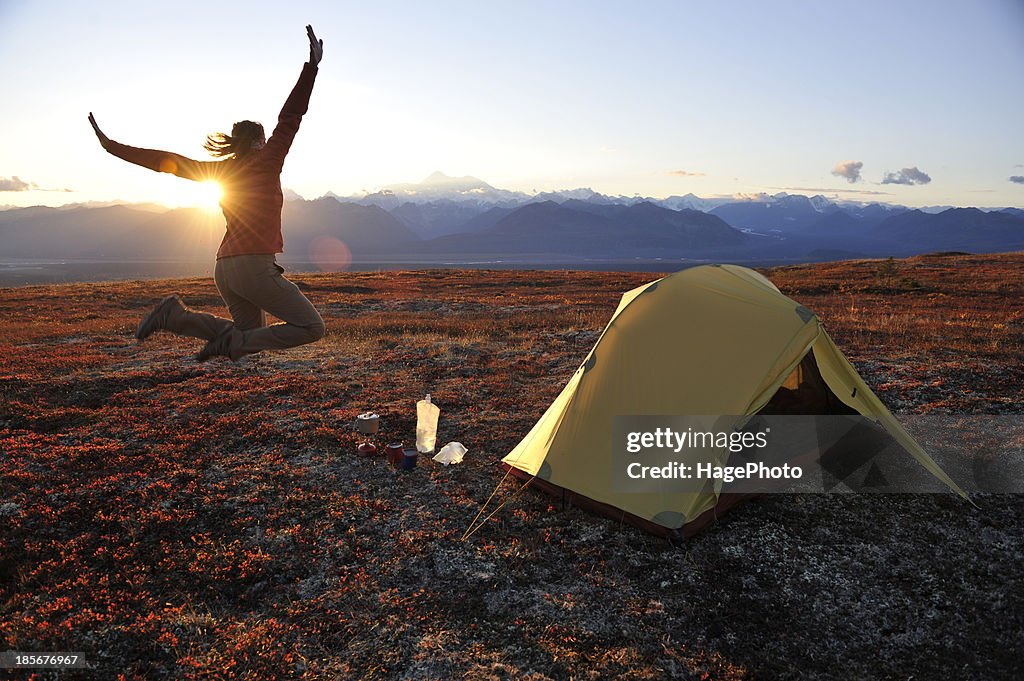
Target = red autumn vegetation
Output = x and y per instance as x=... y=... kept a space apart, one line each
x=172 y=520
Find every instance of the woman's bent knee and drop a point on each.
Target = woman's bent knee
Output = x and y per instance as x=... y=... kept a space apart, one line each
x=315 y=332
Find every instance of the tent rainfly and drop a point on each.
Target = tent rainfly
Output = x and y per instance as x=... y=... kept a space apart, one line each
x=715 y=339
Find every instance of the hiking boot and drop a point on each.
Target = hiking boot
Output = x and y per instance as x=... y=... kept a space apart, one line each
x=227 y=343
x=157 y=319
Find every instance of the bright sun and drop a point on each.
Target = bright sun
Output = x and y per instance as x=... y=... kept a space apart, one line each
x=204 y=195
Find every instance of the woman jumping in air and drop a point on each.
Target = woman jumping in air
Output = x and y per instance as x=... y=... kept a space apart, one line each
x=247 y=274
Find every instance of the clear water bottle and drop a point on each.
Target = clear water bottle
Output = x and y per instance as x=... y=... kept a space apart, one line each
x=427 y=414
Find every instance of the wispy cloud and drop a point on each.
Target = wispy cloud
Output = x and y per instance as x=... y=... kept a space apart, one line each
x=685 y=173
x=850 y=170
x=16 y=184
x=1018 y=179
x=832 y=190
x=907 y=176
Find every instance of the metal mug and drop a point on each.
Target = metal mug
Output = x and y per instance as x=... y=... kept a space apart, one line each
x=396 y=453
x=409 y=459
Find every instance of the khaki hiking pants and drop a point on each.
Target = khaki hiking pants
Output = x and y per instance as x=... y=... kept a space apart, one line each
x=252 y=285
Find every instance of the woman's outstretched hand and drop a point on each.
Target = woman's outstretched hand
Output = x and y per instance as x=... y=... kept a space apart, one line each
x=316 y=47
x=104 y=140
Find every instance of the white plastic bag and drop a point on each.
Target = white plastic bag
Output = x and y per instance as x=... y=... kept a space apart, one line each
x=427 y=414
x=451 y=453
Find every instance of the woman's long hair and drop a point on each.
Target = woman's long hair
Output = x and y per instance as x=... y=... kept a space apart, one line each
x=245 y=136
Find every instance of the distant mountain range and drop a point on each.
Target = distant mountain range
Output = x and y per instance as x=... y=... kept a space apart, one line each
x=578 y=228
x=452 y=219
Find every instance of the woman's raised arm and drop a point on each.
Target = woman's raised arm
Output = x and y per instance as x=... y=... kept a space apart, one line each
x=296 y=105
x=160 y=161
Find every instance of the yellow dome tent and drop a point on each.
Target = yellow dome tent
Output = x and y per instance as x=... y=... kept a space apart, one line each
x=716 y=339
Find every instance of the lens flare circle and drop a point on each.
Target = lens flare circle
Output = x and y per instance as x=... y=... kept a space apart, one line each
x=330 y=254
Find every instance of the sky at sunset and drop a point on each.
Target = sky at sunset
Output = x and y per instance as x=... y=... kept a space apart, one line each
x=909 y=102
